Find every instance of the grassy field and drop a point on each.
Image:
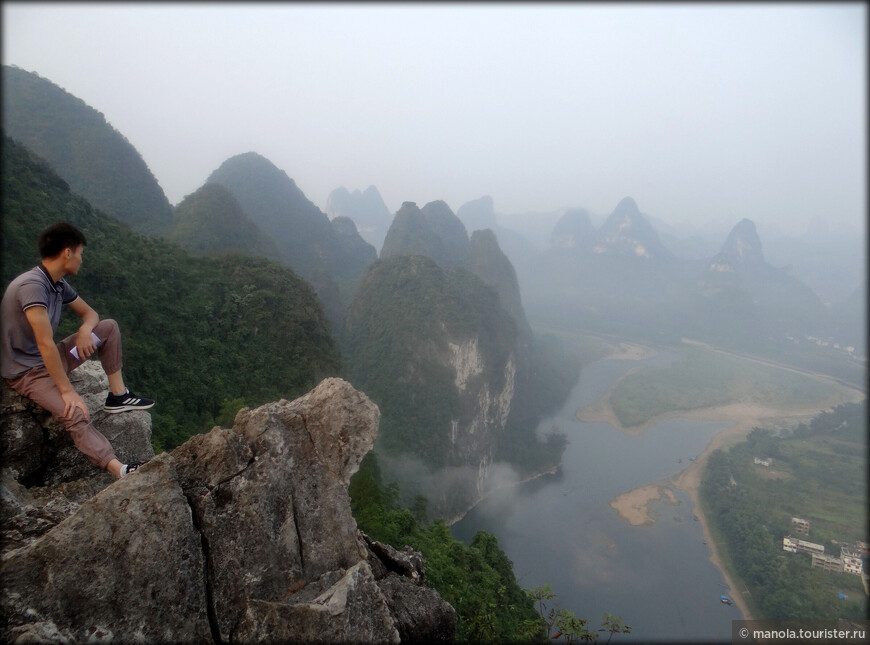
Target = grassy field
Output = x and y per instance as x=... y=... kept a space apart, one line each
x=706 y=378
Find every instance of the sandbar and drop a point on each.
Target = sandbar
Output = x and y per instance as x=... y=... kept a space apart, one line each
x=633 y=505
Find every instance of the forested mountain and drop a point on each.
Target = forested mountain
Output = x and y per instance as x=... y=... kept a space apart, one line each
x=432 y=231
x=438 y=337
x=366 y=209
x=440 y=355
x=96 y=160
x=308 y=242
x=435 y=232
x=202 y=335
x=211 y=220
x=408 y=313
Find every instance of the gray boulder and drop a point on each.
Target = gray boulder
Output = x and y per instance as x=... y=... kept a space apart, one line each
x=239 y=535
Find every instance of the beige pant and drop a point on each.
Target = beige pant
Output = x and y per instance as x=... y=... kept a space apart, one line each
x=37 y=385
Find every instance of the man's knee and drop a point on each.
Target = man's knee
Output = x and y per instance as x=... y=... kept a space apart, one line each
x=106 y=329
x=75 y=423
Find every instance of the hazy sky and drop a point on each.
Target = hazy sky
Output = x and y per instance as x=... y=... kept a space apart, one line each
x=699 y=112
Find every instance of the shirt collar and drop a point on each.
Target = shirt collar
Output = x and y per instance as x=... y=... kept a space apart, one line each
x=42 y=268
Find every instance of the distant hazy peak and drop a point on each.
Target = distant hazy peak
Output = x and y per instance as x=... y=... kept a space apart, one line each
x=252 y=163
x=251 y=159
x=743 y=246
x=438 y=214
x=449 y=228
x=573 y=230
x=627 y=231
x=340 y=193
x=371 y=192
x=344 y=225
x=627 y=207
x=484 y=204
x=478 y=214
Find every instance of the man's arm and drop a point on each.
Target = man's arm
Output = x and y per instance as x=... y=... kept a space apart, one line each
x=37 y=316
x=89 y=317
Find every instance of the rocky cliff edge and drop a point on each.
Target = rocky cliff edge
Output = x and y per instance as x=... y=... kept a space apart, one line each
x=239 y=535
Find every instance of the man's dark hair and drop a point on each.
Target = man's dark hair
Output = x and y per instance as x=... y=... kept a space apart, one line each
x=59 y=237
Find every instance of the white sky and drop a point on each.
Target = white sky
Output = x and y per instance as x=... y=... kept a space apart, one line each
x=700 y=112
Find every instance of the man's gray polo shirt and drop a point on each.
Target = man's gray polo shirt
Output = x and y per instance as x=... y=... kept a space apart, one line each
x=18 y=349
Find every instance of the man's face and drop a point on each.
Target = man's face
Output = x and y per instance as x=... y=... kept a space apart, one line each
x=73 y=259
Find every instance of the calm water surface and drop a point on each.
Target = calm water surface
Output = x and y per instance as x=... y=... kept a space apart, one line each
x=561 y=529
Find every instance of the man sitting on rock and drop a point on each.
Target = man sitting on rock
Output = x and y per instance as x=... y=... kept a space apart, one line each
x=37 y=367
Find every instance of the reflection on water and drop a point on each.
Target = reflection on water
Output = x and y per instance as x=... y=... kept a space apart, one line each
x=561 y=530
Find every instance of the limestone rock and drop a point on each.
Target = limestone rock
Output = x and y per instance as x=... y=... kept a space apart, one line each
x=127 y=564
x=239 y=535
x=353 y=610
x=420 y=613
x=43 y=476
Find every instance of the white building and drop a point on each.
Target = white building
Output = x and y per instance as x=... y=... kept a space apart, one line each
x=800 y=525
x=852 y=562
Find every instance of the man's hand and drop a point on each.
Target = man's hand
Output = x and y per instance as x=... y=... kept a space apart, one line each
x=85 y=343
x=73 y=400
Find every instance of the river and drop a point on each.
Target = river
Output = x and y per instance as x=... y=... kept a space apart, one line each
x=560 y=529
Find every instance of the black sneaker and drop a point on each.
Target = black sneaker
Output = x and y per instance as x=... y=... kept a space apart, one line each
x=128 y=401
x=133 y=466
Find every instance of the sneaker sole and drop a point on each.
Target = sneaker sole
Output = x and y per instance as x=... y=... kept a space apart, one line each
x=126 y=408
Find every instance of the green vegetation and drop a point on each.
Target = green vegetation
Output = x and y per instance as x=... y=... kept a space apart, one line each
x=211 y=221
x=566 y=624
x=406 y=310
x=330 y=261
x=819 y=473
x=706 y=378
x=198 y=332
x=97 y=160
x=477 y=579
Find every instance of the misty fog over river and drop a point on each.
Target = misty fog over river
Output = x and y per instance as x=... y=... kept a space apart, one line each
x=561 y=529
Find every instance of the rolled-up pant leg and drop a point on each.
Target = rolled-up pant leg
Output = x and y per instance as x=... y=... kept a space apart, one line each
x=37 y=385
